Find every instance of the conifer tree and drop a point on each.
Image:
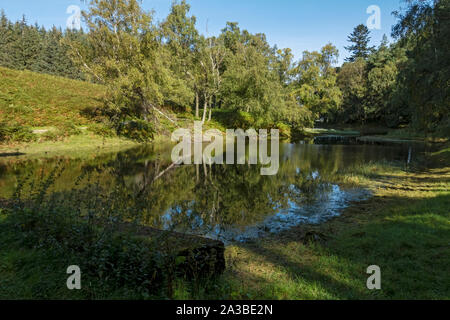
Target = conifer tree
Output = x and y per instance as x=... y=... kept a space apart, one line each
x=6 y=34
x=360 y=38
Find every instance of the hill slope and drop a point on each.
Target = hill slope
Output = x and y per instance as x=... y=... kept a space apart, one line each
x=43 y=115
x=40 y=100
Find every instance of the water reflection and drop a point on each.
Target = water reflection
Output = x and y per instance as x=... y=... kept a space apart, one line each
x=227 y=202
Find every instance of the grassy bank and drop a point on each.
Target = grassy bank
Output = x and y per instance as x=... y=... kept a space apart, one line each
x=43 y=115
x=404 y=229
x=74 y=147
x=375 y=133
x=38 y=100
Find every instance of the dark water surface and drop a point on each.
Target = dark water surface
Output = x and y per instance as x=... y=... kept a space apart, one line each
x=226 y=202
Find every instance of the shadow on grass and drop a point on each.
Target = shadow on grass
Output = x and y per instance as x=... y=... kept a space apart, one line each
x=410 y=241
x=11 y=154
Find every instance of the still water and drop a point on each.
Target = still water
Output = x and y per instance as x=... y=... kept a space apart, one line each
x=225 y=202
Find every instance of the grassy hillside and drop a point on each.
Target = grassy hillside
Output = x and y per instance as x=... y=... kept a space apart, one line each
x=47 y=115
x=43 y=115
x=39 y=100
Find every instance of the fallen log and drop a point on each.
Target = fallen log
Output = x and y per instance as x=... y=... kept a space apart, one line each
x=197 y=256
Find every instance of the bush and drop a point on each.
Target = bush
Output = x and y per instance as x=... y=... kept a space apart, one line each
x=51 y=135
x=103 y=130
x=68 y=129
x=136 y=129
x=64 y=130
x=92 y=236
x=285 y=130
x=99 y=250
x=243 y=120
x=16 y=133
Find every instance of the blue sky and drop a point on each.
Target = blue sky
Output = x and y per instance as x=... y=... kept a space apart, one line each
x=297 y=24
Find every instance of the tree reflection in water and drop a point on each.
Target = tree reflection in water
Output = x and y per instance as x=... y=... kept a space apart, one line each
x=228 y=202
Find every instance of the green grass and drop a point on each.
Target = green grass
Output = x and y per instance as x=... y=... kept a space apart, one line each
x=404 y=135
x=402 y=241
x=404 y=229
x=41 y=274
x=317 y=131
x=39 y=100
x=79 y=146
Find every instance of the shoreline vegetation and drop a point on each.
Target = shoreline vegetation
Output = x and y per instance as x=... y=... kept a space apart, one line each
x=65 y=121
x=404 y=228
x=88 y=143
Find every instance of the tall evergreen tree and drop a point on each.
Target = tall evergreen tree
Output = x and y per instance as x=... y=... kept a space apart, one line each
x=360 y=38
x=26 y=45
x=6 y=38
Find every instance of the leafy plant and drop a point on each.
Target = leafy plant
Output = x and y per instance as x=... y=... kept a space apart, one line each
x=16 y=133
x=102 y=129
x=136 y=129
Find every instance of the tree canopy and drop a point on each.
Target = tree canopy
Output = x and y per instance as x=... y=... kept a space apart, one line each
x=148 y=66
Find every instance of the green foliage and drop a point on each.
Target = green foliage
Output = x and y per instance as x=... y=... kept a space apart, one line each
x=68 y=129
x=102 y=129
x=360 y=43
x=91 y=233
x=424 y=29
x=136 y=129
x=256 y=79
x=406 y=82
x=147 y=66
x=315 y=81
x=285 y=130
x=243 y=120
x=370 y=88
x=15 y=133
x=28 y=47
x=123 y=51
x=182 y=42
x=382 y=85
x=352 y=82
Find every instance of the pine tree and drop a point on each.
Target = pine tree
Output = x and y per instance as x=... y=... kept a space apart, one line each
x=360 y=38
x=25 y=45
x=47 y=61
x=5 y=41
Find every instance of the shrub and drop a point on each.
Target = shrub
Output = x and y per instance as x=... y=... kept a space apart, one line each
x=285 y=130
x=51 y=135
x=136 y=129
x=68 y=129
x=102 y=129
x=91 y=235
x=99 y=250
x=243 y=120
x=16 y=133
